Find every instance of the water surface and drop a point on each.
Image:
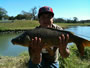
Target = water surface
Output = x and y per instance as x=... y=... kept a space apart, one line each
x=7 y=48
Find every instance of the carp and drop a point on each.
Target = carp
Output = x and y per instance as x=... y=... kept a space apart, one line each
x=50 y=36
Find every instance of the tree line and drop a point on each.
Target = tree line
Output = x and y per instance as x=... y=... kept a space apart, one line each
x=74 y=20
x=23 y=15
x=32 y=15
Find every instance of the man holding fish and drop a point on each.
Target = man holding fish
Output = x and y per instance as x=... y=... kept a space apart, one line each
x=41 y=57
x=47 y=41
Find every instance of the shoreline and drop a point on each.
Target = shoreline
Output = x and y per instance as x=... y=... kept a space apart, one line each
x=17 y=30
x=12 y=31
x=7 y=31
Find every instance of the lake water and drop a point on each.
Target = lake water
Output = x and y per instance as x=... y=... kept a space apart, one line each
x=8 y=49
x=81 y=31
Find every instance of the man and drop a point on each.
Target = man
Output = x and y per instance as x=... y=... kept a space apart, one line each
x=41 y=57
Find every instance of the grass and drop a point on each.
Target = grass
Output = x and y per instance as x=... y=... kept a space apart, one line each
x=64 y=25
x=73 y=61
x=14 y=62
x=19 y=25
x=28 y=24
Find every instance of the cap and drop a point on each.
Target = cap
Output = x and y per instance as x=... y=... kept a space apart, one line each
x=45 y=9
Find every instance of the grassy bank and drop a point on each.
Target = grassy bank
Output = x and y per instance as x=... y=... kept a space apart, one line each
x=28 y=24
x=19 y=25
x=64 y=25
x=20 y=61
x=73 y=61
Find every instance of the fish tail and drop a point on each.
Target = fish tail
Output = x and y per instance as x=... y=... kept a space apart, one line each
x=81 y=43
x=86 y=43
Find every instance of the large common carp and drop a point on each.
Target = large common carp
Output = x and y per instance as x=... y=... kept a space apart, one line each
x=51 y=37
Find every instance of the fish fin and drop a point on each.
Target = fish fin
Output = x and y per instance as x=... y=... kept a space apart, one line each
x=80 y=48
x=86 y=43
x=47 y=47
x=50 y=51
x=81 y=43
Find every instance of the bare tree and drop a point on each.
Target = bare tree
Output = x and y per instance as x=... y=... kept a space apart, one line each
x=33 y=11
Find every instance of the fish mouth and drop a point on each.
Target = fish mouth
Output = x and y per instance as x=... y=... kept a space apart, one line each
x=16 y=42
x=13 y=42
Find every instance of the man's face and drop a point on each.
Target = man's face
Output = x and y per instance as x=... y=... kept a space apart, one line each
x=46 y=20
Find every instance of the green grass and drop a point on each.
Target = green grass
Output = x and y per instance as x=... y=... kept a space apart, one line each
x=19 y=24
x=64 y=25
x=73 y=61
x=28 y=24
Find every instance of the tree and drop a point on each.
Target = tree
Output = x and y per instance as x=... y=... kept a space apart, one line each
x=33 y=11
x=3 y=13
x=75 y=19
x=27 y=15
x=19 y=17
x=11 y=18
x=59 y=20
x=24 y=15
x=69 y=21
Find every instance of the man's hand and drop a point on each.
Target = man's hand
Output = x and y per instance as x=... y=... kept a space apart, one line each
x=36 y=47
x=63 y=45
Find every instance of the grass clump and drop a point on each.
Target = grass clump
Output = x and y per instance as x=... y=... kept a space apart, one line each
x=75 y=60
x=20 y=61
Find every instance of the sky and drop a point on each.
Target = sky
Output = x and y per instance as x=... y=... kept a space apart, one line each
x=66 y=9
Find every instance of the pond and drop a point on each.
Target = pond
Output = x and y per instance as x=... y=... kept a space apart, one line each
x=81 y=31
x=8 y=49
